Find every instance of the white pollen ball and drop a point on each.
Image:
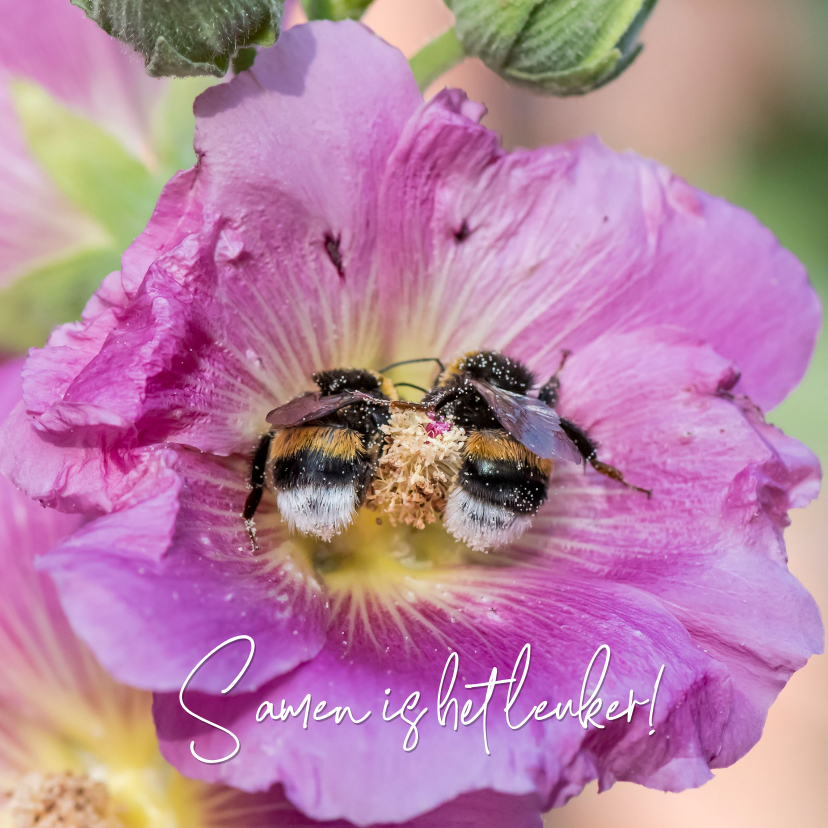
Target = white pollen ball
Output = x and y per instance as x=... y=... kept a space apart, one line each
x=418 y=467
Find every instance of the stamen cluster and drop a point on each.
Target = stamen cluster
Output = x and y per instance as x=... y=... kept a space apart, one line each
x=60 y=800
x=421 y=459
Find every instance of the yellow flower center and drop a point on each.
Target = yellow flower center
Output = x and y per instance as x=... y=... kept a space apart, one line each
x=97 y=760
x=60 y=800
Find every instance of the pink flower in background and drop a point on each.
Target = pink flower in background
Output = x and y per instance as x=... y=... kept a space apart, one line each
x=87 y=141
x=74 y=741
x=334 y=219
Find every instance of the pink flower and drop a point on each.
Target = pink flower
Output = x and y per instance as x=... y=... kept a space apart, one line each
x=86 y=142
x=334 y=219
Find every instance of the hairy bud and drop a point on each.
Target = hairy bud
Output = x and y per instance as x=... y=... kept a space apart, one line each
x=196 y=37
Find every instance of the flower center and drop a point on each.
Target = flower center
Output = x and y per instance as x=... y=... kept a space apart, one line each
x=395 y=562
x=61 y=800
x=421 y=459
x=93 y=762
x=398 y=534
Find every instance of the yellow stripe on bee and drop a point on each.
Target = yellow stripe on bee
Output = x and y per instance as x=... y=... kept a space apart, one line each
x=455 y=368
x=498 y=445
x=342 y=443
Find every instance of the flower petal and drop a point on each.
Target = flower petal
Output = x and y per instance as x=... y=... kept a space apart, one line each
x=534 y=252
x=482 y=809
x=708 y=544
x=156 y=586
x=565 y=621
x=37 y=648
x=228 y=313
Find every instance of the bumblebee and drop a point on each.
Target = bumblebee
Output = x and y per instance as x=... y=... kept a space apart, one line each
x=512 y=442
x=321 y=454
x=319 y=457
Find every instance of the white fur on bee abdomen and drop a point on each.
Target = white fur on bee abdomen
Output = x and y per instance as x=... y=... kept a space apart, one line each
x=321 y=511
x=482 y=526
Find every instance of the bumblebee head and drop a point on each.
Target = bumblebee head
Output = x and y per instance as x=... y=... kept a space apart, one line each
x=492 y=367
x=338 y=380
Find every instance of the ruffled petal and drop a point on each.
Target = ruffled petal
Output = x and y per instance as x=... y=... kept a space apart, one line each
x=157 y=585
x=482 y=809
x=229 y=315
x=564 y=621
x=708 y=544
x=531 y=252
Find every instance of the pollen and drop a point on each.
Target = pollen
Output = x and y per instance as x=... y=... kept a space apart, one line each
x=420 y=463
x=60 y=800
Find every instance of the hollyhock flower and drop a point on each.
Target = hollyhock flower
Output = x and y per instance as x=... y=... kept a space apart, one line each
x=78 y=749
x=334 y=219
x=77 y=115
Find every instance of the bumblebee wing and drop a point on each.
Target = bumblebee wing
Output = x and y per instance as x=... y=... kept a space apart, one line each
x=310 y=406
x=530 y=422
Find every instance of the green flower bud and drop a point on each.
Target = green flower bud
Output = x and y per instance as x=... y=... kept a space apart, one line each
x=335 y=9
x=561 y=47
x=188 y=37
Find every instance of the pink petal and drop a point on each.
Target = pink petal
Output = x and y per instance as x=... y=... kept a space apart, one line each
x=229 y=320
x=325 y=767
x=533 y=252
x=482 y=809
x=155 y=586
x=37 y=647
x=708 y=544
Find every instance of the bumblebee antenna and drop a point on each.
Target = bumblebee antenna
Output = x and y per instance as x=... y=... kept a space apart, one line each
x=411 y=385
x=410 y=362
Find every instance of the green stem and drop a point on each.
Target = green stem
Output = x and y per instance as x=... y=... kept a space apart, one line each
x=436 y=58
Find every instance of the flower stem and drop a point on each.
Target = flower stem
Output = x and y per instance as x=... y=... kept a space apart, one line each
x=436 y=58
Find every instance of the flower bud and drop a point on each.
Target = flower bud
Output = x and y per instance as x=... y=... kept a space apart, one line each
x=561 y=47
x=196 y=37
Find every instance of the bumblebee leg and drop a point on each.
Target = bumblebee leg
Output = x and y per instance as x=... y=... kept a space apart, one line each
x=589 y=452
x=549 y=392
x=257 y=482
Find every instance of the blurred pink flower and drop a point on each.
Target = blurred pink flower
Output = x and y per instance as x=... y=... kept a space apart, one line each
x=87 y=142
x=52 y=43
x=334 y=219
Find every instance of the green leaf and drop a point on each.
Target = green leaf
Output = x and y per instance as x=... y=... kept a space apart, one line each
x=184 y=38
x=88 y=165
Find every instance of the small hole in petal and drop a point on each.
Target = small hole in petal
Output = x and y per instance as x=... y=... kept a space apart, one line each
x=463 y=233
x=332 y=246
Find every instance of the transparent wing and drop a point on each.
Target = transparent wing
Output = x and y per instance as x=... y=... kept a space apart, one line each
x=311 y=406
x=530 y=422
